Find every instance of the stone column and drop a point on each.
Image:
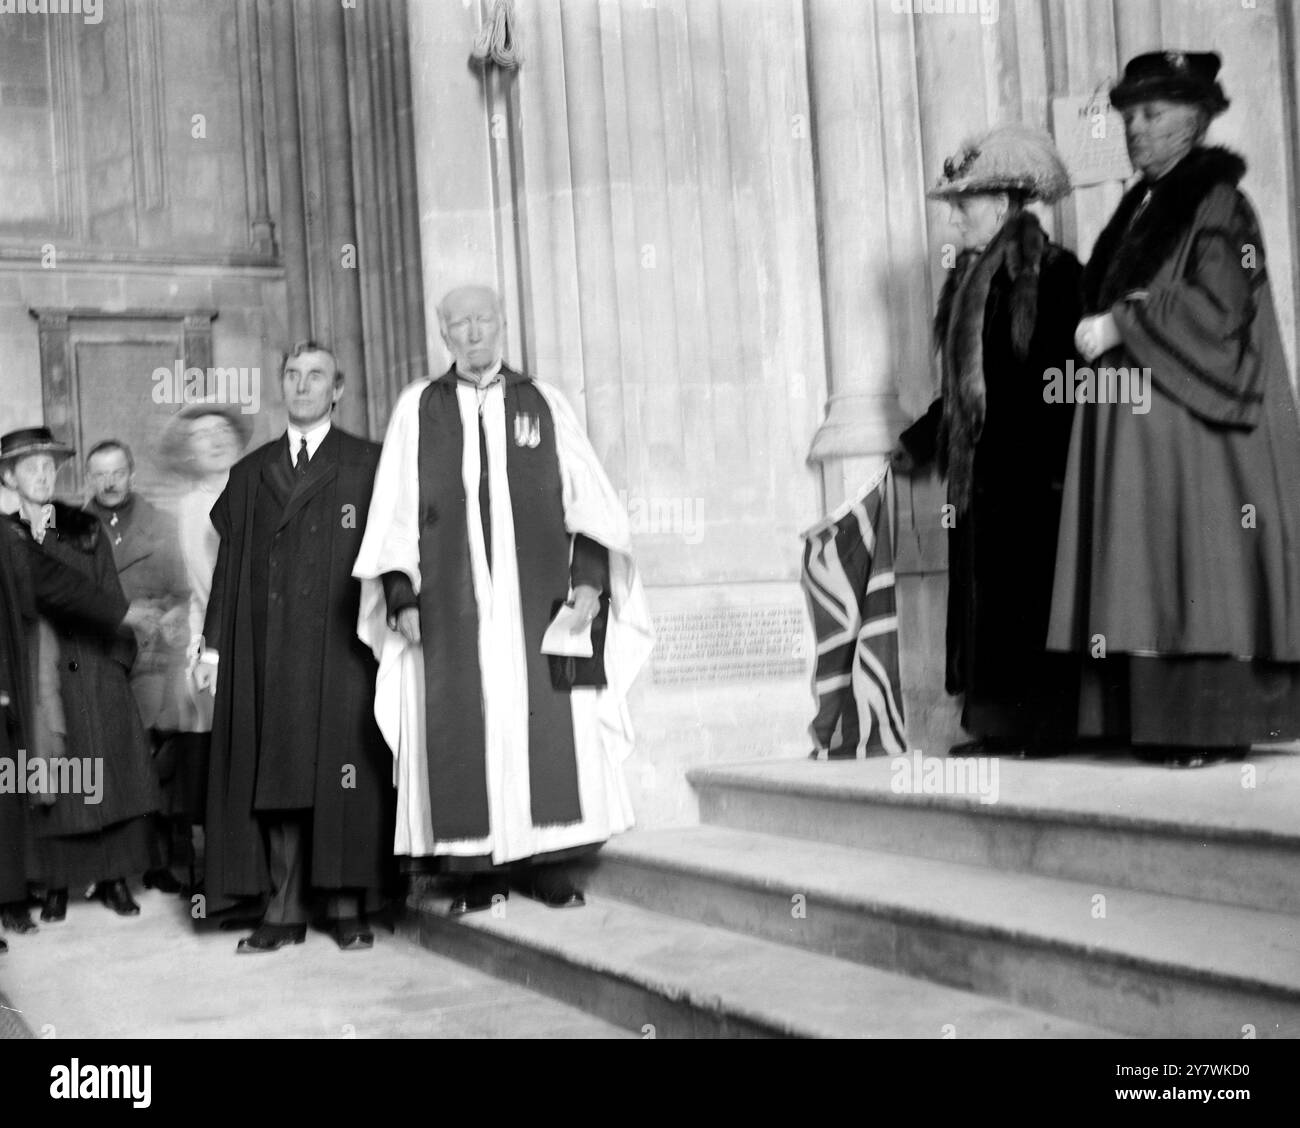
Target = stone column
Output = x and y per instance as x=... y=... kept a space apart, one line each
x=867 y=182
x=343 y=277
x=293 y=223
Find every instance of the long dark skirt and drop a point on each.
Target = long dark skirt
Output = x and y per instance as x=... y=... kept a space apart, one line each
x=121 y=850
x=1192 y=701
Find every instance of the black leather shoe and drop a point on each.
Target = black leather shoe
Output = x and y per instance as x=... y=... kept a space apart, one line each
x=477 y=895
x=270 y=938
x=117 y=897
x=56 y=905
x=4 y=945
x=352 y=935
x=551 y=886
x=16 y=918
x=164 y=881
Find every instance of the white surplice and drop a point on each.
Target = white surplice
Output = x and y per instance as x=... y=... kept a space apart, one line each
x=602 y=727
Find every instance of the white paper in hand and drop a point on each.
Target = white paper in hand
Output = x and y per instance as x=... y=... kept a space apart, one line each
x=560 y=640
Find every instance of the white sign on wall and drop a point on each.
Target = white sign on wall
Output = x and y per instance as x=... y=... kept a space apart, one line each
x=1090 y=135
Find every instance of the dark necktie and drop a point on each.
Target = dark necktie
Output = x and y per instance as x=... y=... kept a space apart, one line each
x=300 y=467
x=484 y=492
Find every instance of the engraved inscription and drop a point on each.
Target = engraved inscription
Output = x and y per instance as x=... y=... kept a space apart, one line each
x=729 y=644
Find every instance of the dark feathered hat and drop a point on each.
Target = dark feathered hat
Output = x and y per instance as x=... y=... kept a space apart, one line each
x=1175 y=76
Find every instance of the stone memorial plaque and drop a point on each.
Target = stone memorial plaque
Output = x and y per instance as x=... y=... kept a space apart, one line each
x=730 y=644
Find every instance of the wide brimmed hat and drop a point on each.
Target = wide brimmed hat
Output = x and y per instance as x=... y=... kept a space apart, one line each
x=1008 y=158
x=173 y=445
x=1175 y=76
x=32 y=440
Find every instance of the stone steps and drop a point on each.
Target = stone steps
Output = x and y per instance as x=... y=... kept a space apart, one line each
x=1153 y=964
x=1093 y=898
x=666 y=976
x=1199 y=834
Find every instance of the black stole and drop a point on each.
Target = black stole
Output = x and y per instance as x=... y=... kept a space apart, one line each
x=455 y=733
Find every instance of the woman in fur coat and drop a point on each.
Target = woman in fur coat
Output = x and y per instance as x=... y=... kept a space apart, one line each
x=1178 y=571
x=92 y=825
x=1006 y=317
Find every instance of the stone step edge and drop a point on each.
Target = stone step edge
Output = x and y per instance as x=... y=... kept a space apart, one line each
x=724 y=779
x=620 y=853
x=716 y=1005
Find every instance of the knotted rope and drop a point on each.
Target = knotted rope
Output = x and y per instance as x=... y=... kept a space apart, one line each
x=497 y=41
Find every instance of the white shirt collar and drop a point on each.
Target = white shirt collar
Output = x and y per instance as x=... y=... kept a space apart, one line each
x=314 y=438
x=485 y=377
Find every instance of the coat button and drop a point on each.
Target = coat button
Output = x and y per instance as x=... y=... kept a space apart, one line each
x=74 y=666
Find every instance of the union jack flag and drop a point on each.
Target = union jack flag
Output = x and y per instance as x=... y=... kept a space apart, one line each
x=848 y=578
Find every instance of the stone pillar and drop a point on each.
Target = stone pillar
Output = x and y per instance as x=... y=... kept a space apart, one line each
x=293 y=223
x=336 y=265
x=866 y=182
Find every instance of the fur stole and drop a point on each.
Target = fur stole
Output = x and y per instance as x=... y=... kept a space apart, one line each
x=1021 y=246
x=76 y=527
x=1130 y=251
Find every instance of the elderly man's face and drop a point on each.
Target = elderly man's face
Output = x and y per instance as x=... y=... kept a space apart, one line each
x=1159 y=134
x=472 y=327
x=33 y=478
x=110 y=477
x=311 y=387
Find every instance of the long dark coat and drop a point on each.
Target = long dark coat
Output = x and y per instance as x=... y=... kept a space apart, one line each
x=1180 y=526
x=33 y=582
x=1007 y=319
x=146 y=551
x=295 y=685
x=100 y=712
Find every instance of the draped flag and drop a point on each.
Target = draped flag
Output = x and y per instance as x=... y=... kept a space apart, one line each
x=848 y=578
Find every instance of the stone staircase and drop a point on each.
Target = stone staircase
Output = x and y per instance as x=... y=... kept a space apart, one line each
x=1093 y=898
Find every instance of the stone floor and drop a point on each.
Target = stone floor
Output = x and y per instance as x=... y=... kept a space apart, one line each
x=97 y=975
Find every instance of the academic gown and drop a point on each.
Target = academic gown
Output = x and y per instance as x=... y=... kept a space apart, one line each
x=491 y=761
x=293 y=725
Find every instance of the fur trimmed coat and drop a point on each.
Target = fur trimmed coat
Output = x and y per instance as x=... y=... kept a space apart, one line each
x=1006 y=316
x=1180 y=526
x=99 y=711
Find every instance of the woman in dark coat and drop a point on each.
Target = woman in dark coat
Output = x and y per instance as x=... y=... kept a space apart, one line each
x=32 y=583
x=1006 y=317
x=86 y=710
x=1178 y=571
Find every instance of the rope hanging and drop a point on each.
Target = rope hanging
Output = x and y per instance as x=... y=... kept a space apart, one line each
x=497 y=41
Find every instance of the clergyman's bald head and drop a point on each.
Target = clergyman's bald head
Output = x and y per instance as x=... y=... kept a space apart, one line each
x=475 y=294
x=473 y=322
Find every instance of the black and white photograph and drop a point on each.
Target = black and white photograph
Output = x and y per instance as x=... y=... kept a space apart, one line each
x=563 y=520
